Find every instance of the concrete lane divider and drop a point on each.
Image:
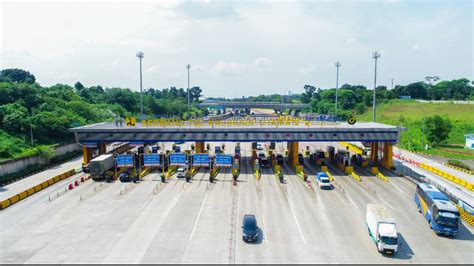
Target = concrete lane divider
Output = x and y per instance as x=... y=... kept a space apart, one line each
x=30 y=191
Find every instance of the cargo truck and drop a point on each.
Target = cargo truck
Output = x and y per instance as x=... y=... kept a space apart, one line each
x=382 y=228
x=102 y=166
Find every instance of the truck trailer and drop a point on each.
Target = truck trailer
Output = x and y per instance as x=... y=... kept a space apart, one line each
x=101 y=166
x=382 y=228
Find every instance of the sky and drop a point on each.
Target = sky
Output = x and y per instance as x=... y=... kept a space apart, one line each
x=238 y=48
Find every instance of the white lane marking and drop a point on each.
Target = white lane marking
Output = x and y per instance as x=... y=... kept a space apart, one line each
x=197 y=219
x=296 y=219
x=399 y=189
x=350 y=199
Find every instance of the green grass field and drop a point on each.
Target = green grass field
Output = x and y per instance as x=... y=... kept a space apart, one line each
x=409 y=114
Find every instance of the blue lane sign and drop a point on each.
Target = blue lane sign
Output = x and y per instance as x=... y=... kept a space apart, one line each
x=89 y=144
x=177 y=159
x=177 y=149
x=151 y=159
x=201 y=159
x=124 y=161
x=136 y=143
x=223 y=160
x=237 y=150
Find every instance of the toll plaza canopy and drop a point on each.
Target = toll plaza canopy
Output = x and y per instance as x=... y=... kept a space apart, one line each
x=235 y=130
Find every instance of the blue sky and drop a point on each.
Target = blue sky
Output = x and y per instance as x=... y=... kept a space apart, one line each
x=238 y=48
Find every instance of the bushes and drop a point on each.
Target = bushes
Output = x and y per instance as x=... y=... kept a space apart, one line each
x=459 y=164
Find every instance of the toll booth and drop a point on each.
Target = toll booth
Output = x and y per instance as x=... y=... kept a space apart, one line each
x=343 y=159
x=272 y=145
x=237 y=150
x=331 y=152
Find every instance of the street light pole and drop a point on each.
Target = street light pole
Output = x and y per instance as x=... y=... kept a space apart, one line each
x=337 y=84
x=375 y=55
x=140 y=57
x=188 y=67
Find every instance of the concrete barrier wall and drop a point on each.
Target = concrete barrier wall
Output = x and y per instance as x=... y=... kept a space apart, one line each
x=24 y=194
x=19 y=164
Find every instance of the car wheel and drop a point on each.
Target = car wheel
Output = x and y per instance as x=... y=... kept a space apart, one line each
x=419 y=208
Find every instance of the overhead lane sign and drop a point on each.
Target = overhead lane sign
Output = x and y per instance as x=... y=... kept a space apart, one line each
x=124 y=161
x=201 y=159
x=223 y=160
x=177 y=159
x=151 y=159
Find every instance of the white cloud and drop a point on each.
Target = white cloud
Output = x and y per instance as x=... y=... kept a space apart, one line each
x=415 y=47
x=308 y=69
x=153 y=69
x=228 y=68
x=263 y=62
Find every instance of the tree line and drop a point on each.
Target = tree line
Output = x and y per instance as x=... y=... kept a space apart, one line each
x=357 y=98
x=48 y=112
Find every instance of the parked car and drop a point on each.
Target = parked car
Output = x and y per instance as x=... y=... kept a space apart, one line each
x=180 y=172
x=249 y=228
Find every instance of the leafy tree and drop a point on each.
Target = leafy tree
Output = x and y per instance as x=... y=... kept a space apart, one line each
x=15 y=118
x=437 y=129
x=308 y=93
x=16 y=75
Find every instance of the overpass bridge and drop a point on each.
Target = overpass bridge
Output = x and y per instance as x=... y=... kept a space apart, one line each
x=290 y=131
x=249 y=105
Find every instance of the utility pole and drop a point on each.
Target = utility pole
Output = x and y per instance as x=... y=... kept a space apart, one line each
x=392 y=83
x=140 y=57
x=31 y=134
x=337 y=84
x=423 y=135
x=188 y=66
x=375 y=55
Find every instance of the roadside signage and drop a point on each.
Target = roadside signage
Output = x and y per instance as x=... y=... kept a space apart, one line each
x=237 y=150
x=75 y=124
x=130 y=121
x=89 y=144
x=124 y=161
x=201 y=159
x=217 y=149
x=151 y=159
x=177 y=149
x=224 y=160
x=137 y=143
x=351 y=120
x=177 y=159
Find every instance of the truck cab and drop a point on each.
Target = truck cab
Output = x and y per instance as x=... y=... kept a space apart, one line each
x=382 y=228
x=323 y=180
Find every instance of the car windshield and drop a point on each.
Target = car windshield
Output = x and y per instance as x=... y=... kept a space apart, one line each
x=447 y=218
x=389 y=240
x=324 y=181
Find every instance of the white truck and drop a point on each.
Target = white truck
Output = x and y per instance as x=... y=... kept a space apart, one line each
x=382 y=228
